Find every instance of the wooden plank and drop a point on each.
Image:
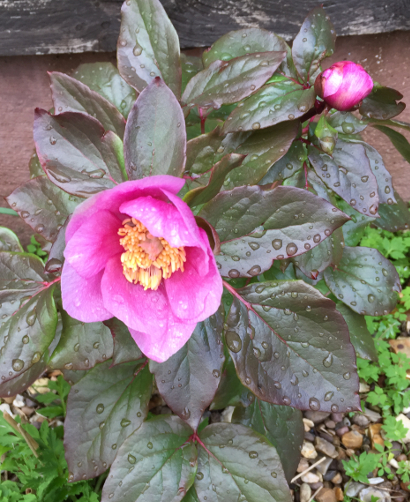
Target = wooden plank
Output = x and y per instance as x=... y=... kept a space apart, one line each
x=64 y=26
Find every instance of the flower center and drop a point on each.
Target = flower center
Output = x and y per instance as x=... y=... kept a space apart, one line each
x=147 y=259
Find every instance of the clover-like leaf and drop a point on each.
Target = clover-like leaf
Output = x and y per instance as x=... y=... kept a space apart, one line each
x=71 y=95
x=203 y=189
x=230 y=391
x=346 y=122
x=27 y=334
x=242 y=42
x=364 y=280
x=43 y=206
x=273 y=103
x=9 y=241
x=76 y=154
x=162 y=444
x=316 y=260
x=227 y=82
x=188 y=380
x=288 y=165
x=155 y=136
x=105 y=79
x=125 y=348
x=347 y=172
x=290 y=346
x=315 y=41
x=148 y=46
x=394 y=217
x=103 y=409
x=270 y=224
x=236 y=463
x=82 y=345
x=360 y=336
x=282 y=425
x=382 y=104
x=383 y=177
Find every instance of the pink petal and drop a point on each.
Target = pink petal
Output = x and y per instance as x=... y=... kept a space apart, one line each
x=94 y=243
x=82 y=298
x=111 y=199
x=160 y=349
x=195 y=296
x=334 y=78
x=146 y=311
x=162 y=220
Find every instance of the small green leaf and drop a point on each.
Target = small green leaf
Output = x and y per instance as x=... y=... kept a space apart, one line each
x=236 y=463
x=346 y=122
x=273 y=103
x=9 y=241
x=155 y=137
x=162 y=445
x=365 y=281
x=104 y=408
x=315 y=41
x=148 y=46
x=188 y=380
x=382 y=103
x=326 y=135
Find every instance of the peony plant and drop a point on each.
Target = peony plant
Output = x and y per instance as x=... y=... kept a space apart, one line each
x=200 y=218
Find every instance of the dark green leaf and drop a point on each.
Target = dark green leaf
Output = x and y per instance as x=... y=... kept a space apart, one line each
x=35 y=166
x=104 y=408
x=56 y=255
x=348 y=174
x=125 y=348
x=274 y=103
x=188 y=380
x=43 y=205
x=9 y=241
x=346 y=122
x=399 y=141
x=383 y=177
x=364 y=280
x=360 y=336
x=291 y=346
x=243 y=42
x=82 y=345
x=282 y=425
x=71 y=95
x=288 y=165
x=226 y=82
x=270 y=224
x=315 y=41
x=237 y=464
x=75 y=153
x=191 y=65
x=191 y=496
x=382 y=103
x=155 y=137
x=156 y=461
x=230 y=391
x=105 y=79
x=27 y=335
x=326 y=135
x=148 y=46
x=205 y=188
x=316 y=260
x=394 y=217
x=353 y=230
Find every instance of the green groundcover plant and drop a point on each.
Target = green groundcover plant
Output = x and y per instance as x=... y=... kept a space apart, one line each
x=200 y=219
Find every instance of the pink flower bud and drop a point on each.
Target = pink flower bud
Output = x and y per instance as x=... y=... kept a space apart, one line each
x=343 y=85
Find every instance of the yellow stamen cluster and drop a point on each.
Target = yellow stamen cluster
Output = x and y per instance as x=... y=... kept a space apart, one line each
x=147 y=259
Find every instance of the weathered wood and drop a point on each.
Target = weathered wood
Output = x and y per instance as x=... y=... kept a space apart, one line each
x=65 y=26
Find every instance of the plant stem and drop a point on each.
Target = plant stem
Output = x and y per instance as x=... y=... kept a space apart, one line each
x=203 y=119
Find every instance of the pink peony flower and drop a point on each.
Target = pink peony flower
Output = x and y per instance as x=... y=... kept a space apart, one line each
x=344 y=85
x=135 y=252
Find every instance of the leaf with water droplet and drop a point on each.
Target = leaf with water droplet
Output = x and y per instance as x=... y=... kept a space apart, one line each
x=361 y=281
x=125 y=349
x=162 y=444
x=193 y=391
x=113 y=395
x=381 y=103
x=293 y=369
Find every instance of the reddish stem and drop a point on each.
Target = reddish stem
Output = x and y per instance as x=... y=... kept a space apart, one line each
x=203 y=119
x=233 y=291
x=306 y=175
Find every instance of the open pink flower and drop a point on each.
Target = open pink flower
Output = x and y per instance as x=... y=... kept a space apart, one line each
x=135 y=252
x=344 y=85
